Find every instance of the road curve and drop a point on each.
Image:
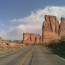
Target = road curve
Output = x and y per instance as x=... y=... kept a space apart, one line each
x=33 y=55
x=42 y=56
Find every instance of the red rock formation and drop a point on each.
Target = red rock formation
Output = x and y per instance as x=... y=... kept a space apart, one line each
x=31 y=38
x=18 y=41
x=40 y=39
x=0 y=39
x=62 y=27
x=50 y=29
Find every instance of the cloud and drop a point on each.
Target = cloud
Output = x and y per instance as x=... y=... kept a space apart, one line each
x=33 y=22
x=2 y=24
x=16 y=33
x=39 y=14
x=3 y=34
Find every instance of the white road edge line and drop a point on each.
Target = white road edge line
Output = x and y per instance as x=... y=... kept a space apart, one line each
x=60 y=57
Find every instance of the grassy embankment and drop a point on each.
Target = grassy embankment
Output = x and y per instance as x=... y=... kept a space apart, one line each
x=57 y=47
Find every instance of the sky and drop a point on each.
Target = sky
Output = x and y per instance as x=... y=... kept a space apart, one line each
x=18 y=16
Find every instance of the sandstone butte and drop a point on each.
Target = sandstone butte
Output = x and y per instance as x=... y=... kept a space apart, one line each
x=51 y=30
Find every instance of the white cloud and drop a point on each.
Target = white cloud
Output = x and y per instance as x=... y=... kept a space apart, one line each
x=3 y=34
x=15 y=33
x=39 y=14
x=2 y=24
x=34 y=21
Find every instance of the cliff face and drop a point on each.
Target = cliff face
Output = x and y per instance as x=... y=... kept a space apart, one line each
x=32 y=38
x=50 y=29
x=0 y=39
x=62 y=27
x=51 y=24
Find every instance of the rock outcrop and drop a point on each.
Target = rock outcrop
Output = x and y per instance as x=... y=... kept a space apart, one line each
x=18 y=41
x=0 y=39
x=32 y=38
x=62 y=27
x=50 y=29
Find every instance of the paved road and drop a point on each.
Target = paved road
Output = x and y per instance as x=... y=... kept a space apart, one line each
x=34 y=55
x=42 y=56
x=14 y=58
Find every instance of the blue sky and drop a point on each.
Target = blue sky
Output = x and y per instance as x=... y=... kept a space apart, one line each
x=17 y=15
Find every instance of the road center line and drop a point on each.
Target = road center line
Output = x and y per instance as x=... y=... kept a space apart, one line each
x=27 y=55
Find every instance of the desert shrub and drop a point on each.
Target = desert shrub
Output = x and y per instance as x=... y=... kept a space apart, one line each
x=41 y=44
x=27 y=44
x=58 y=47
x=44 y=44
x=63 y=38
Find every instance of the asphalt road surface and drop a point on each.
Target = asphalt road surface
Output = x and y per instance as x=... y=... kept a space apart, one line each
x=33 y=55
